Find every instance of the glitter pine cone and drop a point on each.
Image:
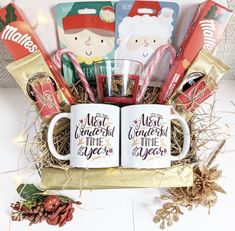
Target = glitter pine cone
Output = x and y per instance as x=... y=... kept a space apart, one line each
x=203 y=192
x=55 y=210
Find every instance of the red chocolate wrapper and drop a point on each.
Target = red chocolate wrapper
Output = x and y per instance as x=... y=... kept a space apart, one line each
x=196 y=95
x=39 y=84
x=200 y=81
x=45 y=95
x=205 y=32
x=21 y=41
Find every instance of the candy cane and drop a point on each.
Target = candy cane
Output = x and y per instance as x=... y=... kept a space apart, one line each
x=57 y=60
x=149 y=68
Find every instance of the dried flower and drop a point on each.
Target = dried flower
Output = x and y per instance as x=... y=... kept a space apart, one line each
x=203 y=192
x=168 y=214
x=203 y=188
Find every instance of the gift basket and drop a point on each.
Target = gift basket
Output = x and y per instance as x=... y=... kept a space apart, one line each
x=119 y=105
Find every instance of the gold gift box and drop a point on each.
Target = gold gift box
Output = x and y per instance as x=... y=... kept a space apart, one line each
x=116 y=178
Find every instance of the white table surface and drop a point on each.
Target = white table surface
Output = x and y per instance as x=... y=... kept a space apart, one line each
x=107 y=210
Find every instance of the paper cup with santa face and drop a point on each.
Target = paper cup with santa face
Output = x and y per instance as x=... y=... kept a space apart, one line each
x=146 y=136
x=139 y=34
x=118 y=80
x=94 y=136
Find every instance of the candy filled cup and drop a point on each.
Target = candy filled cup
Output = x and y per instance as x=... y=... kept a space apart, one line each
x=118 y=80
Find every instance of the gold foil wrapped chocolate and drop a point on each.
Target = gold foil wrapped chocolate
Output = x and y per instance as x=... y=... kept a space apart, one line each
x=39 y=85
x=114 y=178
x=200 y=81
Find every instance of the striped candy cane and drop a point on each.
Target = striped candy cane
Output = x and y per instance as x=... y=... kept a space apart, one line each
x=57 y=59
x=149 y=68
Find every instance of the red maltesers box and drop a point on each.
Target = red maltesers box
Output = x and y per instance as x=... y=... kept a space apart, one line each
x=21 y=41
x=206 y=31
x=16 y=34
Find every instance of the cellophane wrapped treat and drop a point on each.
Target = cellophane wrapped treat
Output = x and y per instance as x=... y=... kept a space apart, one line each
x=38 y=83
x=200 y=81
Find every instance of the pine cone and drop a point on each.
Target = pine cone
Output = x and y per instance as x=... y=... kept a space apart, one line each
x=51 y=203
x=19 y=206
x=61 y=215
x=56 y=210
x=35 y=215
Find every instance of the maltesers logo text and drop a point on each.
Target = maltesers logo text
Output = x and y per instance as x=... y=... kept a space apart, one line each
x=208 y=28
x=12 y=33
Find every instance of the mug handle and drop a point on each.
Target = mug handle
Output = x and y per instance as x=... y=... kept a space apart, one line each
x=50 y=136
x=186 y=144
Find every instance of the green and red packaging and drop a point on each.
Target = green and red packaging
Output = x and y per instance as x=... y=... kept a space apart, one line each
x=205 y=32
x=21 y=41
x=86 y=29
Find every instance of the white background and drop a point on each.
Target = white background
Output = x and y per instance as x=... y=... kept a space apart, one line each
x=105 y=210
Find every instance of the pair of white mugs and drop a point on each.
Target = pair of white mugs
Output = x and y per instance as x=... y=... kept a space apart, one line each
x=137 y=136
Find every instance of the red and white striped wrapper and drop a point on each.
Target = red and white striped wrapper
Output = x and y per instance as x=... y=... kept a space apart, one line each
x=57 y=59
x=153 y=62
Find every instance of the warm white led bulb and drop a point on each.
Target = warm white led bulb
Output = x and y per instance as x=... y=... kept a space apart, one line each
x=42 y=19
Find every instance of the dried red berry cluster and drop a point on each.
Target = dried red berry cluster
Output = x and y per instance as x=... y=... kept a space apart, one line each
x=55 y=210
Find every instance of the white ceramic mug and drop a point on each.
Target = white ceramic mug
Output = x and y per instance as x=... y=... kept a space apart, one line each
x=94 y=136
x=146 y=136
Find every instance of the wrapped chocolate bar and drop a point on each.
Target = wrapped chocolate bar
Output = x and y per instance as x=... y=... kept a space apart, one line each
x=38 y=83
x=200 y=81
x=205 y=32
